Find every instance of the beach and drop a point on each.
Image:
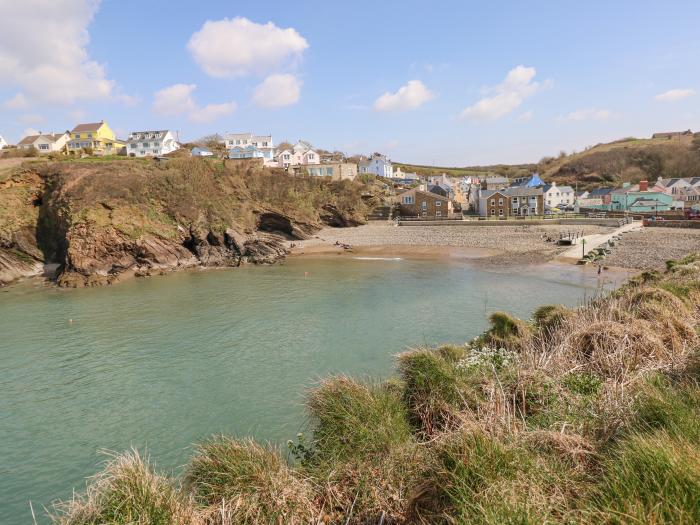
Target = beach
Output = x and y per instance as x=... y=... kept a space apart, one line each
x=505 y=246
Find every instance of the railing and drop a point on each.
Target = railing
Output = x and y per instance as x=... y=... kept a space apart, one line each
x=430 y=218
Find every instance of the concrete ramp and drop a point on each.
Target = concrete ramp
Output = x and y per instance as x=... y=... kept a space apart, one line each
x=579 y=250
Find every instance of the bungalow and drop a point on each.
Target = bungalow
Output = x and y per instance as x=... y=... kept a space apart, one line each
x=97 y=137
x=201 y=152
x=423 y=204
x=249 y=146
x=378 y=165
x=558 y=196
x=671 y=134
x=637 y=198
x=3 y=142
x=151 y=143
x=45 y=142
x=333 y=170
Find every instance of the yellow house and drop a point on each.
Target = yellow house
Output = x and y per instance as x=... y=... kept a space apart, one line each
x=97 y=136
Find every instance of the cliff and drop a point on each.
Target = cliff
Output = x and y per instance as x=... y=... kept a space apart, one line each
x=100 y=221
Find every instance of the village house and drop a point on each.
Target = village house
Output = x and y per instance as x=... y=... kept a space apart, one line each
x=333 y=170
x=531 y=181
x=558 y=196
x=151 y=143
x=3 y=142
x=423 y=204
x=495 y=183
x=97 y=137
x=378 y=165
x=301 y=154
x=45 y=142
x=638 y=198
x=249 y=146
x=671 y=134
x=200 y=152
x=511 y=202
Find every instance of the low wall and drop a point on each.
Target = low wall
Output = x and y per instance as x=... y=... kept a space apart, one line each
x=529 y=222
x=672 y=224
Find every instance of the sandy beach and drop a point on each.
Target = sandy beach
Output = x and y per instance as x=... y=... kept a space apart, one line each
x=498 y=245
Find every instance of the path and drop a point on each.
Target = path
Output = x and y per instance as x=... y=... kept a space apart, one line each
x=596 y=240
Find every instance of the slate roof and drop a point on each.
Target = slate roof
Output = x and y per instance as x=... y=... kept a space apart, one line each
x=93 y=126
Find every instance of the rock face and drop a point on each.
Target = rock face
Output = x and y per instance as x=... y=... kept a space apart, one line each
x=102 y=222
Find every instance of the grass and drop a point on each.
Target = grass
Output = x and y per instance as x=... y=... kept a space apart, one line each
x=586 y=415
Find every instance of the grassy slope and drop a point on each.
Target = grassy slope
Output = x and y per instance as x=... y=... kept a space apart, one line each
x=627 y=160
x=577 y=416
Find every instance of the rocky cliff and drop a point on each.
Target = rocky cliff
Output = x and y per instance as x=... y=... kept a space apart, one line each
x=100 y=221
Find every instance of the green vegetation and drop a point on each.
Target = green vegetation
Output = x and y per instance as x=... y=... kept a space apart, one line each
x=586 y=415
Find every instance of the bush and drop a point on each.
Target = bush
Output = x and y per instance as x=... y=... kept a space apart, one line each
x=127 y=491
x=241 y=482
x=506 y=331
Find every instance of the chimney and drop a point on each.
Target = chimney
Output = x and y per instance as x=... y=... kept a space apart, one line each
x=644 y=185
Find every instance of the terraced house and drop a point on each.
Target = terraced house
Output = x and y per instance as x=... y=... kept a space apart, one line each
x=97 y=137
x=424 y=205
x=151 y=143
x=511 y=202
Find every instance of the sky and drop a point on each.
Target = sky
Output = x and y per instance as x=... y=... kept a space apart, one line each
x=449 y=83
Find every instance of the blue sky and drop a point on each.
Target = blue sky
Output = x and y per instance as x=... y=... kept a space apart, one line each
x=447 y=83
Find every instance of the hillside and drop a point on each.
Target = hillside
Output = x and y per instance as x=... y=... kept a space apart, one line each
x=610 y=164
x=102 y=219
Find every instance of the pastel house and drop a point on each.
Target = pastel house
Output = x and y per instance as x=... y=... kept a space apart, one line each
x=45 y=142
x=95 y=136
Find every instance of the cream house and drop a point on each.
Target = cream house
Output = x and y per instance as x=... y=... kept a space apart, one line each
x=45 y=142
x=3 y=142
x=302 y=154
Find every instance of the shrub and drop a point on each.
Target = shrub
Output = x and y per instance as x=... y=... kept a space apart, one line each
x=550 y=317
x=241 y=482
x=127 y=491
x=506 y=331
x=435 y=389
x=649 y=479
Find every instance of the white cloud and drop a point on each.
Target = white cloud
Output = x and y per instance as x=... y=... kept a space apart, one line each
x=673 y=95
x=43 y=51
x=174 y=100
x=526 y=116
x=178 y=99
x=239 y=47
x=212 y=112
x=588 y=114
x=19 y=101
x=277 y=91
x=411 y=96
x=508 y=95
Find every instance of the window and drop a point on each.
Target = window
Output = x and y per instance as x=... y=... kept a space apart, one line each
x=500 y=212
x=329 y=172
x=493 y=202
x=424 y=214
x=89 y=135
x=77 y=135
x=408 y=199
x=424 y=205
x=146 y=145
x=500 y=202
x=43 y=146
x=438 y=203
x=438 y=213
x=493 y=211
x=134 y=146
x=264 y=144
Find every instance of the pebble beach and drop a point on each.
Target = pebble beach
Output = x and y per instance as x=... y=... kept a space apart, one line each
x=499 y=245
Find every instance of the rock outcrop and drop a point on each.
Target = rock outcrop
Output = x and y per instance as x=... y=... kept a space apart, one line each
x=100 y=222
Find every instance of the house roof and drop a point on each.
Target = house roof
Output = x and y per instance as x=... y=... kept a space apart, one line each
x=30 y=139
x=496 y=180
x=529 y=182
x=522 y=192
x=563 y=189
x=644 y=202
x=599 y=192
x=93 y=126
x=425 y=193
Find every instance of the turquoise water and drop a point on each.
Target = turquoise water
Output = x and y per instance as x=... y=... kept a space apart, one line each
x=161 y=363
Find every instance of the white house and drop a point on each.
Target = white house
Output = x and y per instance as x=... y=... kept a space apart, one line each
x=151 y=143
x=45 y=142
x=3 y=142
x=301 y=154
x=558 y=196
x=201 y=152
x=248 y=146
x=378 y=165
